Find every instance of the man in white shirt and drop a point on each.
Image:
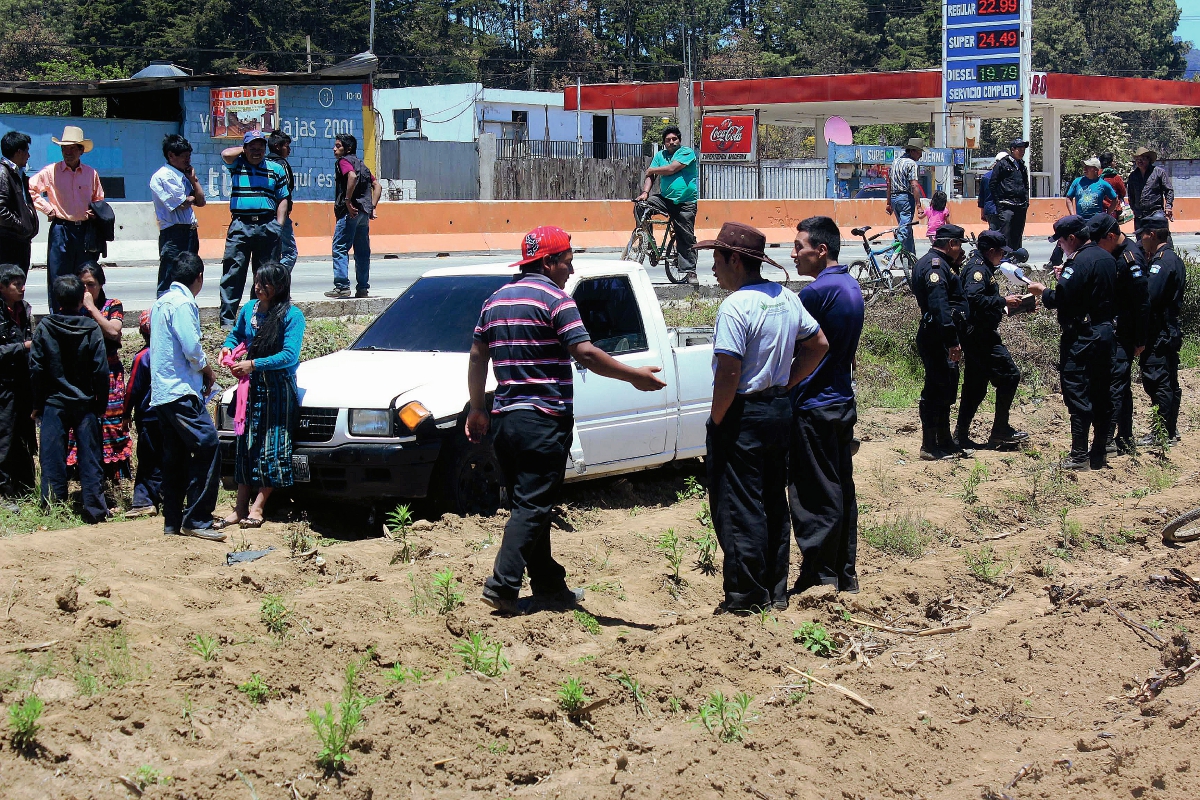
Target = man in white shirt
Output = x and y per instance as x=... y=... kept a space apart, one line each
x=176 y=191
x=765 y=343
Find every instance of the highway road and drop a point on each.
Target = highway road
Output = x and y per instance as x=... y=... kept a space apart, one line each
x=134 y=284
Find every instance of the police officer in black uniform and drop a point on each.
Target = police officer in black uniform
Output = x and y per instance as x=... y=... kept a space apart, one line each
x=1133 y=310
x=1086 y=303
x=985 y=356
x=1167 y=280
x=938 y=289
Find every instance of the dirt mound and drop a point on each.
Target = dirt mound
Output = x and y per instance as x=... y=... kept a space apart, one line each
x=1055 y=669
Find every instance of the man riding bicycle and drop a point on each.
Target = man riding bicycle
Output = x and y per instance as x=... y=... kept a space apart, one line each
x=679 y=188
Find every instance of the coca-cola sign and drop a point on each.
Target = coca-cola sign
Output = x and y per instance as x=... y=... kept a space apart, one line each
x=728 y=137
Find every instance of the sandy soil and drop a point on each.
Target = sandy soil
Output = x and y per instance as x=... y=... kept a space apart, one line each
x=1043 y=684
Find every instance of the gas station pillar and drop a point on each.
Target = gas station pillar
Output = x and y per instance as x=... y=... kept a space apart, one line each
x=819 y=136
x=1052 y=150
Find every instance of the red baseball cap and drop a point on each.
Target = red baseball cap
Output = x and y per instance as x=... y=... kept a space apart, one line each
x=144 y=322
x=546 y=240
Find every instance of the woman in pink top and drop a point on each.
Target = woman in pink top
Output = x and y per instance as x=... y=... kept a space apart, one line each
x=938 y=214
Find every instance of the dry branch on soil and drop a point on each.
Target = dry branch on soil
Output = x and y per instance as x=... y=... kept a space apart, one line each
x=842 y=690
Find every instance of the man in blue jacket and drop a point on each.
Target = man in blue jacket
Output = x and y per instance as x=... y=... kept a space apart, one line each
x=987 y=204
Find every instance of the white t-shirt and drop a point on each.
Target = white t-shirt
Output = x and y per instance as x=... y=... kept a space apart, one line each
x=760 y=324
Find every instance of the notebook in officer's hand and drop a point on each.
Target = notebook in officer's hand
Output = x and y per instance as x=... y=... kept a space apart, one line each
x=1027 y=305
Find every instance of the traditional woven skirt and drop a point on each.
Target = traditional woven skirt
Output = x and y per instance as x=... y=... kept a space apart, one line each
x=117 y=446
x=264 y=451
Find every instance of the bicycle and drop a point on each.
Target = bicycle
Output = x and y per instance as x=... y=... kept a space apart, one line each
x=1184 y=528
x=643 y=243
x=875 y=274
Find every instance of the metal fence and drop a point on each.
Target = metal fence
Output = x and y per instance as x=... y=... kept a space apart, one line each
x=769 y=180
x=1185 y=174
x=512 y=149
x=568 y=178
x=438 y=170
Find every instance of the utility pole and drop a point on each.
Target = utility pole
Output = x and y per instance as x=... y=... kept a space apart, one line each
x=578 y=135
x=685 y=101
x=1027 y=72
x=371 y=34
x=308 y=51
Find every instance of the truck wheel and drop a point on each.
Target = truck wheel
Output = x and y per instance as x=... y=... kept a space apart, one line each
x=471 y=481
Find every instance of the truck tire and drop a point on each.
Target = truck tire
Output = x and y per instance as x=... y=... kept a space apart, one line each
x=469 y=477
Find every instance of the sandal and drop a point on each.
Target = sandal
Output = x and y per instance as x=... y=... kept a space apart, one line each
x=222 y=523
x=251 y=522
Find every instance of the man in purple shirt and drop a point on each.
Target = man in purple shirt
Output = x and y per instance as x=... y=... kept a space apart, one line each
x=821 y=481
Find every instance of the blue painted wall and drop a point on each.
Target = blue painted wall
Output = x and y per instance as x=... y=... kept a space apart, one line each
x=131 y=149
x=311 y=115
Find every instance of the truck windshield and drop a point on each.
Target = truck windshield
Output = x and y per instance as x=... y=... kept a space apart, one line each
x=434 y=314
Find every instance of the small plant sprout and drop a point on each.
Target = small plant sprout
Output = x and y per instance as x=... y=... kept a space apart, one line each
x=481 y=654
x=673 y=550
x=23 y=717
x=1154 y=624
x=765 y=616
x=813 y=637
x=978 y=475
x=275 y=615
x=724 y=718
x=984 y=565
x=205 y=646
x=571 y=696
x=635 y=689
x=706 y=551
x=587 y=622
x=334 y=729
x=256 y=689
x=399 y=524
x=147 y=775
x=691 y=490
x=445 y=591
x=402 y=674
x=704 y=515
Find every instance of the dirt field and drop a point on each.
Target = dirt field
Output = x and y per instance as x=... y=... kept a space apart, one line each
x=1042 y=688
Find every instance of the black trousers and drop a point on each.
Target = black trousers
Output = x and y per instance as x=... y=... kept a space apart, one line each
x=90 y=458
x=1160 y=379
x=1012 y=225
x=532 y=448
x=747 y=489
x=941 y=374
x=1121 y=391
x=18 y=443
x=14 y=250
x=821 y=495
x=191 y=464
x=987 y=361
x=171 y=242
x=147 y=482
x=1086 y=371
x=993 y=222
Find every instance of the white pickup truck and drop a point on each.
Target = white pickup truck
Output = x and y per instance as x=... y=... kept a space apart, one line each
x=383 y=419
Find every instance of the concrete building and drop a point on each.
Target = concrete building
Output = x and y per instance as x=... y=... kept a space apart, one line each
x=461 y=112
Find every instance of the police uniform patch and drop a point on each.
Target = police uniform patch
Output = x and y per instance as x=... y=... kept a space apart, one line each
x=934 y=277
x=978 y=275
x=1154 y=270
x=1067 y=273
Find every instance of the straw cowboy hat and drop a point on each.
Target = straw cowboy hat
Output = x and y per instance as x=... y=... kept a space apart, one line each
x=1150 y=154
x=73 y=134
x=740 y=238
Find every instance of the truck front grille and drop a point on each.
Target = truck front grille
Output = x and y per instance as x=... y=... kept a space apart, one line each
x=316 y=424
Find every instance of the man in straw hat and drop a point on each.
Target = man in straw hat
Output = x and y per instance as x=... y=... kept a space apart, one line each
x=63 y=191
x=904 y=192
x=530 y=330
x=765 y=344
x=1149 y=188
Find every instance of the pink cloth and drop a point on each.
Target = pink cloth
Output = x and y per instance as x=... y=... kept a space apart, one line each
x=936 y=219
x=242 y=393
x=68 y=191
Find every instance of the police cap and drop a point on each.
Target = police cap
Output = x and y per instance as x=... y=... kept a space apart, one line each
x=1070 y=225
x=1101 y=225
x=1015 y=143
x=993 y=240
x=1154 y=222
x=948 y=232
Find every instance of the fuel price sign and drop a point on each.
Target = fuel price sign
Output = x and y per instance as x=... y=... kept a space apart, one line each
x=969 y=42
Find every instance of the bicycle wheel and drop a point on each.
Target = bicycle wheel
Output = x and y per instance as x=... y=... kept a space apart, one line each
x=1184 y=528
x=906 y=263
x=635 y=250
x=868 y=279
x=671 y=263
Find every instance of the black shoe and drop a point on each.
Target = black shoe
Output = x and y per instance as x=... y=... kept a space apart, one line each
x=507 y=606
x=780 y=605
x=963 y=442
x=562 y=600
x=1125 y=447
x=725 y=608
x=1147 y=441
x=1076 y=463
x=850 y=587
x=338 y=294
x=855 y=444
x=361 y=293
x=1097 y=465
x=170 y=531
x=1111 y=448
x=934 y=455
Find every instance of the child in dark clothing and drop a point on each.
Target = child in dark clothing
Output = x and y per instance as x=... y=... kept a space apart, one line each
x=69 y=370
x=18 y=440
x=147 y=482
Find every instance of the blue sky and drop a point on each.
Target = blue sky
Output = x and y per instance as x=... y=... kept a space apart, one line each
x=1189 y=22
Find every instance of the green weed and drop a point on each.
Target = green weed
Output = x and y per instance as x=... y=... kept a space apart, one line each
x=105 y=663
x=275 y=615
x=445 y=591
x=571 y=696
x=482 y=655
x=706 y=551
x=692 y=489
x=813 y=637
x=631 y=684
x=147 y=775
x=704 y=515
x=399 y=523
x=402 y=674
x=256 y=689
x=907 y=535
x=726 y=719
x=970 y=484
x=984 y=564
x=673 y=550
x=587 y=622
x=23 y=717
x=335 y=729
x=497 y=747
x=610 y=587
x=27 y=672
x=205 y=646
x=32 y=516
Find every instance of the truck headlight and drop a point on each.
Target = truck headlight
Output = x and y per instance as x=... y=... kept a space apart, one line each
x=413 y=414
x=370 y=422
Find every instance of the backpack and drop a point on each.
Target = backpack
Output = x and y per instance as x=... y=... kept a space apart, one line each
x=362 y=187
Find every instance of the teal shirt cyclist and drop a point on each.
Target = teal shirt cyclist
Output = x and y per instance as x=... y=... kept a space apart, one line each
x=683 y=186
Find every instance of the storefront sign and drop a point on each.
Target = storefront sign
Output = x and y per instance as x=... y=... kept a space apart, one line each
x=729 y=138
x=240 y=109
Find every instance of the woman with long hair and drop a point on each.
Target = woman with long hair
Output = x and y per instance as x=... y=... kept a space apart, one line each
x=109 y=315
x=271 y=330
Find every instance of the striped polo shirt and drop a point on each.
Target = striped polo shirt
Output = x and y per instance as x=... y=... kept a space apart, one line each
x=528 y=326
x=257 y=189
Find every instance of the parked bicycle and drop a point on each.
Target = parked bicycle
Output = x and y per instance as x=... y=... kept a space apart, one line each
x=645 y=243
x=877 y=273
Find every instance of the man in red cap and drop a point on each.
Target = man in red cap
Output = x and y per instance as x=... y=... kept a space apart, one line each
x=530 y=330
x=765 y=343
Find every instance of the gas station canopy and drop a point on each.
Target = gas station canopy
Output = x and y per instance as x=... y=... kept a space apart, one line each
x=879 y=97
